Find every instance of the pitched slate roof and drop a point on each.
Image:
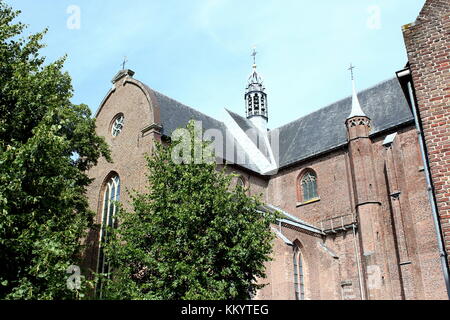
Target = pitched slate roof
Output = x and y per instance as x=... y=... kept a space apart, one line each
x=243 y=123
x=313 y=134
x=323 y=130
x=176 y=115
x=252 y=131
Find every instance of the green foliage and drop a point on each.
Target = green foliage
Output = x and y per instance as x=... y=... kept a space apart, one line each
x=46 y=144
x=191 y=235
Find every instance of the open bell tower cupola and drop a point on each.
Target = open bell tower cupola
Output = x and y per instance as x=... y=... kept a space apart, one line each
x=256 y=98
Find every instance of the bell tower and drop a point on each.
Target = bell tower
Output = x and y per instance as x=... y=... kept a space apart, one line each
x=256 y=98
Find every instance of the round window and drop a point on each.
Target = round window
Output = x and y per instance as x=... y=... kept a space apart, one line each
x=117 y=126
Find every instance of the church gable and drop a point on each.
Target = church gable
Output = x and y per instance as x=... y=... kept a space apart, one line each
x=129 y=100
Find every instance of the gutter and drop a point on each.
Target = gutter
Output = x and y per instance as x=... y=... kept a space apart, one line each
x=291 y=220
x=302 y=226
x=406 y=74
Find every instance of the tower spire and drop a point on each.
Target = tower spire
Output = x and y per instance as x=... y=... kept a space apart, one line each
x=256 y=98
x=356 y=106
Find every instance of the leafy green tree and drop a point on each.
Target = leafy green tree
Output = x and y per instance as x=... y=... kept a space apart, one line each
x=191 y=235
x=46 y=145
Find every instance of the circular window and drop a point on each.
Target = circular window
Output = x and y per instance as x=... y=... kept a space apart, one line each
x=117 y=125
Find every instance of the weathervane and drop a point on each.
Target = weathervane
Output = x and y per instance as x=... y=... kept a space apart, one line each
x=254 y=55
x=125 y=60
x=351 y=70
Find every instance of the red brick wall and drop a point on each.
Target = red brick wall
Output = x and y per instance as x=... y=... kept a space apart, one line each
x=428 y=46
x=417 y=275
x=127 y=152
x=405 y=222
x=326 y=276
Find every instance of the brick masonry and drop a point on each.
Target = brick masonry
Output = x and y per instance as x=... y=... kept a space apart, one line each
x=428 y=45
x=392 y=253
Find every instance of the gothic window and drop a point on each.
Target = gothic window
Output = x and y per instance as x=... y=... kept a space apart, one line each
x=309 y=186
x=110 y=197
x=117 y=125
x=263 y=103
x=299 y=276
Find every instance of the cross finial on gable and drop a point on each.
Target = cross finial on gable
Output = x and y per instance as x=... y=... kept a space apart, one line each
x=125 y=60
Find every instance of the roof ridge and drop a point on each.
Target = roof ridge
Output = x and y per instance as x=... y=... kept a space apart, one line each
x=336 y=102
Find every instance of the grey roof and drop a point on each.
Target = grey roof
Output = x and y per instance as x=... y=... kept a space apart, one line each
x=323 y=130
x=176 y=115
x=252 y=131
x=313 y=134
x=243 y=123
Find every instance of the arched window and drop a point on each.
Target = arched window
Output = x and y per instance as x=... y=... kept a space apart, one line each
x=309 y=186
x=117 y=125
x=110 y=197
x=240 y=182
x=299 y=276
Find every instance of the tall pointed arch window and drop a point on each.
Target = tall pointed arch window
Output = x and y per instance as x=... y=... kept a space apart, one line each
x=299 y=276
x=309 y=186
x=110 y=197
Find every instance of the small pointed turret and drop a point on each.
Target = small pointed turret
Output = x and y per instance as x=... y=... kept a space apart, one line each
x=356 y=106
x=358 y=123
x=368 y=206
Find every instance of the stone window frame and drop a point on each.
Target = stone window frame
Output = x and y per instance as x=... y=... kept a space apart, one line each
x=113 y=123
x=111 y=180
x=299 y=271
x=299 y=187
x=243 y=180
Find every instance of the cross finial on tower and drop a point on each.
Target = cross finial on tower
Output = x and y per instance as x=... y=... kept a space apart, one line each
x=125 y=60
x=254 y=55
x=351 y=70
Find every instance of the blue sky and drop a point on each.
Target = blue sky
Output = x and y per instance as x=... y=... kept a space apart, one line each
x=198 y=51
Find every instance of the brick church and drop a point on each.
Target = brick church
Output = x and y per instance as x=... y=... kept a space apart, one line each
x=365 y=200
